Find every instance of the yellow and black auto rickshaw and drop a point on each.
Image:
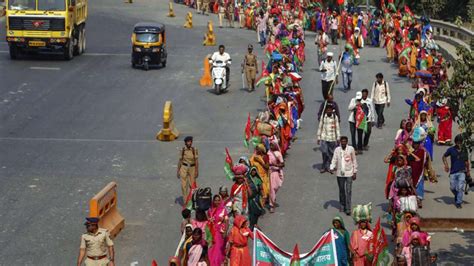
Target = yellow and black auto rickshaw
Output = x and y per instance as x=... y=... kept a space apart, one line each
x=148 y=45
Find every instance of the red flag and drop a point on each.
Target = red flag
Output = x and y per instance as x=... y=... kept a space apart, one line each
x=228 y=158
x=248 y=132
x=375 y=235
x=407 y=9
x=188 y=202
x=264 y=72
x=295 y=258
x=228 y=165
x=153 y=263
x=340 y=2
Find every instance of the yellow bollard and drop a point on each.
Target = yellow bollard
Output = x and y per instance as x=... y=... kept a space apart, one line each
x=168 y=132
x=104 y=206
x=189 y=21
x=171 y=11
x=209 y=37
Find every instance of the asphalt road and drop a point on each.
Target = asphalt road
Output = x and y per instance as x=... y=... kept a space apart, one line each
x=69 y=128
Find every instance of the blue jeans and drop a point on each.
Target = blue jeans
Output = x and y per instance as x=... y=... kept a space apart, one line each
x=263 y=40
x=457 y=181
x=347 y=80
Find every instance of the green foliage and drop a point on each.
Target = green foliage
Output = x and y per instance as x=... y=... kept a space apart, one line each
x=459 y=90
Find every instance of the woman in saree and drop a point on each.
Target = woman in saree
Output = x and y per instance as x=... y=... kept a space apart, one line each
x=239 y=190
x=255 y=188
x=276 y=172
x=218 y=219
x=445 y=123
x=405 y=136
x=185 y=240
x=390 y=44
x=343 y=241
x=415 y=227
x=196 y=250
x=360 y=242
x=259 y=160
x=238 y=249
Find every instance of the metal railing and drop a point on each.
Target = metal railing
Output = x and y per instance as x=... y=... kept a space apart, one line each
x=452 y=34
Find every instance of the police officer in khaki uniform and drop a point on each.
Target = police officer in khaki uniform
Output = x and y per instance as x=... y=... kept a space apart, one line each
x=250 y=68
x=188 y=166
x=229 y=11
x=95 y=244
x=205 y=7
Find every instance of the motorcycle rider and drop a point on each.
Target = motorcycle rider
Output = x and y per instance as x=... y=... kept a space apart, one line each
x=221 y=55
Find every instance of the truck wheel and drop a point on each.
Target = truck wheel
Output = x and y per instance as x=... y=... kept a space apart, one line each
x=13 y=52
x=69 y=50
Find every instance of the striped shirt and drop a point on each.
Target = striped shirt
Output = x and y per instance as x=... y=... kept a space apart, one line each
x=328 y=129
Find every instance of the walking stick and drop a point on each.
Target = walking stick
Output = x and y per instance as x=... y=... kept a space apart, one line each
x=332 y=84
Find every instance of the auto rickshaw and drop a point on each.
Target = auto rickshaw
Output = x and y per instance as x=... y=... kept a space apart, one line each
x=148 y=45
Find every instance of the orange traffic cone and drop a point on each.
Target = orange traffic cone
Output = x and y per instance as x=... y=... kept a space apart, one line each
x=206 y=80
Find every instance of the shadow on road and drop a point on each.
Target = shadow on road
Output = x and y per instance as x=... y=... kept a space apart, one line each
x=331 y=203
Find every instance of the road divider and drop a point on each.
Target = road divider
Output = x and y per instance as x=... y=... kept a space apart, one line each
x=104 y=206
x=210 y=36
x=189 y=21
x=171 y=11
x=169 y=131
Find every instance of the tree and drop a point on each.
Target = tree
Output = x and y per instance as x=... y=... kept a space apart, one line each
x=459 y=91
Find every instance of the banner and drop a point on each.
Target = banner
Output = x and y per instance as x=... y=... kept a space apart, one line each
x=266 y=253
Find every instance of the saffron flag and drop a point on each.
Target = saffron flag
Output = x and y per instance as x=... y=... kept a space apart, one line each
x=247 y=132
x=266 y=253
x=228 y=165
x=188 y=204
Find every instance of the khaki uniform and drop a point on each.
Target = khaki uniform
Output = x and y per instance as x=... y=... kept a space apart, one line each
x=230 y=13
x=221 y=14
x=199 y=5
x=205 y=6
x=187 y=169
x=250 y=68
x=96 y=246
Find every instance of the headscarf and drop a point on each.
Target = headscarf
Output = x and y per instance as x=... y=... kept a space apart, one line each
x=415 y=220
x=245 y=159
x=256 y=180
x=343 y=231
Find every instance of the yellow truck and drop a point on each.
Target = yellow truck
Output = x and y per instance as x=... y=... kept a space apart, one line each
x=46 y=25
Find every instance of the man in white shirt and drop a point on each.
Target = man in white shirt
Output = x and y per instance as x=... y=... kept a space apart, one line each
x=381 y=97
x=353 y=105
x=328 y=135
x=221 y=55
x=328 y=70
x=334 y=24
x=370 y=116
x=322 y=41
x=344 y=162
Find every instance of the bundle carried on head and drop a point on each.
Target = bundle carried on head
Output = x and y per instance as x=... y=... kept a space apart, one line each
x=362 y=212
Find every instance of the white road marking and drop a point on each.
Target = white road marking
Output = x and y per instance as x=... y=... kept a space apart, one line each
x=46 y=68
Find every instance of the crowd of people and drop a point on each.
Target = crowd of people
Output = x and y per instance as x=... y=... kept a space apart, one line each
x=219 y=232
x=216 y=228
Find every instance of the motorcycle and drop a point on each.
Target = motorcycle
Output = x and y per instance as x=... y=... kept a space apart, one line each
x=219 y=74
